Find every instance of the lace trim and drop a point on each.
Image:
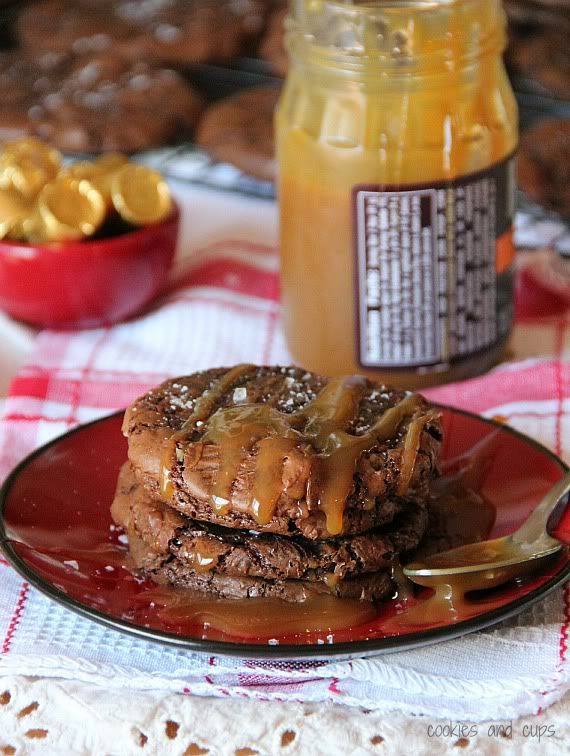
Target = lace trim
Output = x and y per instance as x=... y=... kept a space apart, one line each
x=39 y=716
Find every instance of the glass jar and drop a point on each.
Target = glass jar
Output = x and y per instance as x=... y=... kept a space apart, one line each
x=396 y=132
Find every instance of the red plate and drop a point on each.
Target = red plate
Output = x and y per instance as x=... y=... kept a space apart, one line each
x=56 y=530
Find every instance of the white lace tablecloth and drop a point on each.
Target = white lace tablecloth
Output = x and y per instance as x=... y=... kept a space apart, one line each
x=92 y=721
x=45 y=716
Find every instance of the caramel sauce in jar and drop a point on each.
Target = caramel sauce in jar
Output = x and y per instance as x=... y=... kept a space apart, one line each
x=395 y=135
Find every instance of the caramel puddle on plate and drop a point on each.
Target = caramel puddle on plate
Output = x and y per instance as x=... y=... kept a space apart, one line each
x=458 y=515
x=447 y=604
x=459 y=599
x=259 y=617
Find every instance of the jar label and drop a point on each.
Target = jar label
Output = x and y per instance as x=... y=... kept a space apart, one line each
x=434 y=269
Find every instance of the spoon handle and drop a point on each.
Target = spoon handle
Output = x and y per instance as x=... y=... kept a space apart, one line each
x=535 y=526
x=559 y=525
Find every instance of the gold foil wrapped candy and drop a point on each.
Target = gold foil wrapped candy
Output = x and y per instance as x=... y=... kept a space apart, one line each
x=27 y=165
x=140 y=196
x=14 y=209
x=41 y=201
x=69 y=208
x=99 y=172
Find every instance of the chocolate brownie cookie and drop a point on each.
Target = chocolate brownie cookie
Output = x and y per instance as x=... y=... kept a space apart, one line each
x=283 y=450
x=205 y=547
x=172 y=31
x=371 y=587
x=239 y=130
x=544 y=165
x=553 y=13
x=272 y=47
x=93 y=103
x=150 y=524
x=544 y=57
x=268 y=555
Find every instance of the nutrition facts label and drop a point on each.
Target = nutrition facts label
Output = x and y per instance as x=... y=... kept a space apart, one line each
x=429 y=264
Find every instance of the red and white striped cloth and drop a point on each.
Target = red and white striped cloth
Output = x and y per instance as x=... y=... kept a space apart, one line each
x=224 y=309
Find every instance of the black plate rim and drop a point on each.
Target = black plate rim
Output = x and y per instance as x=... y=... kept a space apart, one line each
x=326 y=652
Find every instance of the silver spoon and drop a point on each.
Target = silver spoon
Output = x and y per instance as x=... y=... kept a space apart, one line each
x=490 y=563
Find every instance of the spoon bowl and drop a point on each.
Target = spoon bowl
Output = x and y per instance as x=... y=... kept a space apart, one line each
x=489 y=563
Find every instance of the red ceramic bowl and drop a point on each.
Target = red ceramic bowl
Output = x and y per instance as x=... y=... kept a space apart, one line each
x=89 y=283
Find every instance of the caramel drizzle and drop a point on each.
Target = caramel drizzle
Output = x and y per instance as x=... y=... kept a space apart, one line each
x=202 y=560
x=336 y=468
x=165 y=480
x=202 y=410
x=332 y=410
x=268 y=486
x=237 y=430
x=410 y=453
x=331 y=580
x=275 y=434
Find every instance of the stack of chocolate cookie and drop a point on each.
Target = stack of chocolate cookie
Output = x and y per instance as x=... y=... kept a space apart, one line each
x=275 y=482
x=272 y=46
x=93 y=102
x=91 y=76
x=538 y=43
x=544 y=164
x=164 y=31
x=538 y=12
x=239 y=130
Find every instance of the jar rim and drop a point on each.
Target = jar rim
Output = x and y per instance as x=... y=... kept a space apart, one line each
x=393 y=33
x=387 y=5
